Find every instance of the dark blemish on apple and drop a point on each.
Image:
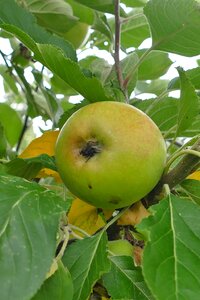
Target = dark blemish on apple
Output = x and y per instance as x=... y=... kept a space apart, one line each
x=115 y=200
x=90 y=187
x=90 y=149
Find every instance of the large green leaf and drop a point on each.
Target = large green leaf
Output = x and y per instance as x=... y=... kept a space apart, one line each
x=29 y=219
x=175 y=25
x=90 y=87
x=171 y=256
x=12 y=129
x=87 y=261
x=124 y=280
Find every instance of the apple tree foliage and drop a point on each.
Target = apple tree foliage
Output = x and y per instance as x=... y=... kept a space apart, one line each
x=53 y=246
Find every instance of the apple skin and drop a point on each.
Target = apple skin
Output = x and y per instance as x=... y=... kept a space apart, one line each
x=120 y=247
x=110 y=154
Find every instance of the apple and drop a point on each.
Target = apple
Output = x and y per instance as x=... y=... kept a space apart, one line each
x=77 y=35
x=120 y=247
x=110 y=154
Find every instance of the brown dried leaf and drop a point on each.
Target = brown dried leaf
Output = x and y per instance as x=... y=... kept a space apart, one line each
x=134 y=215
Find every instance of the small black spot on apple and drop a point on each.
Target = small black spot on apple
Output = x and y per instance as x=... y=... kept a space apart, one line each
x=115 y=200
x=89 y=186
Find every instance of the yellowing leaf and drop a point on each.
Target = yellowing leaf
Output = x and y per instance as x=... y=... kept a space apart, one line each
x=43 y=145
x=85 y=216
x=195 y=175
x=134 y=215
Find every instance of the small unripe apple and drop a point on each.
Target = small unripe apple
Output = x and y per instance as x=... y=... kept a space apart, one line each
x=110 y=154
x=77 y=35
x=120 y=247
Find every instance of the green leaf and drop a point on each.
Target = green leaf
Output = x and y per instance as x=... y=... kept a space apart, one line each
x=193 y=75
x=124 y=280
x=154 y=65
x=22 y=24
x=69 y=71
x=127 y=66
x=101 y=24
x=101 y=5
x=57 y=287
x=12 y=129
x=156 y=86
x=175 y=25
x=134 y=3
x=135 y=30
x=55 y=15
x=28 y=227
x=9 y=79
x=171 y=256
x=28 y=168
x=188 y=104
x=164 y=112
x=98 y=67
x=192 y=189
x=86 y=260
x=85 y=14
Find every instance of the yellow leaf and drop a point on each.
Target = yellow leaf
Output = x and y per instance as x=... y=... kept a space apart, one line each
x=195 y=175
x=43 y=145
x=134 y=215
x=85 y=216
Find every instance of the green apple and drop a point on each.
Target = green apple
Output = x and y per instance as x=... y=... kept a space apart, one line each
x=110 y=154
x=77 y=35
x=120 y=247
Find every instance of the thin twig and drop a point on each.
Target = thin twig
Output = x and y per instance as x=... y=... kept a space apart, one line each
x=4 y=58
x=117 y=48
x=25 y=126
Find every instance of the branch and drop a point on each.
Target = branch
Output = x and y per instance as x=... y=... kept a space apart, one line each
x=117 y=48
x=187 y=165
